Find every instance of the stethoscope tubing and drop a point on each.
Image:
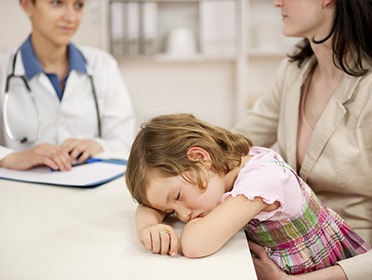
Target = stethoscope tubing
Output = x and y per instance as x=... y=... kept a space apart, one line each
x=23 y=78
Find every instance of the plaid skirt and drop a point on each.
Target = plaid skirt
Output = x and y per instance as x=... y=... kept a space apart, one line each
x=317 y=239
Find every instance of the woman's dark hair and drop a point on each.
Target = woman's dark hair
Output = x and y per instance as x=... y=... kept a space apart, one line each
x=352 y=37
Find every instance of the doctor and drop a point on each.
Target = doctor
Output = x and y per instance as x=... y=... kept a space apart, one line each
x=60 y=102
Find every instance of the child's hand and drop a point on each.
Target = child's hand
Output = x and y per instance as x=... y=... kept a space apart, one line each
x=160 y=239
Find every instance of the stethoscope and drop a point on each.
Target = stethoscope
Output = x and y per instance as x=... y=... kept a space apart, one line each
x=26 y=139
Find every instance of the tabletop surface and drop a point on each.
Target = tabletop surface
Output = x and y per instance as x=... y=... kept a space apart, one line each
x=64 y=233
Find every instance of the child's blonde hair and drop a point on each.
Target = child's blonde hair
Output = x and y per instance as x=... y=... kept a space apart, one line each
x=161 y=148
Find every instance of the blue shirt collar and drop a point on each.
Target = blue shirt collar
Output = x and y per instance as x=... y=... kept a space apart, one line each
x=33 y=67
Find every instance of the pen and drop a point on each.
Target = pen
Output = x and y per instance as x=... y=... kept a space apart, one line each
x=92 y=160
x=72 y=165
x=107 y=160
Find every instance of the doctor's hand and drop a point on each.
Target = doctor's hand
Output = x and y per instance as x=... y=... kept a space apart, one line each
x=160 y=239
x=43 y=154
x=81 y=149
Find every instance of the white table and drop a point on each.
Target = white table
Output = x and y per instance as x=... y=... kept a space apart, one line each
x=60 y=233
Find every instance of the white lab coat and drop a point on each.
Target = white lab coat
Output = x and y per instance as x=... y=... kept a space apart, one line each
x=73 y=117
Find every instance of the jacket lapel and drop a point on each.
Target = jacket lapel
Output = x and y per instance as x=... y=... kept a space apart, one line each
x=291 y=112
x=334 y=111
x=291 y=119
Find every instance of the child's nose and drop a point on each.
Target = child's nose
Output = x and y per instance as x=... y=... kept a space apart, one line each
x=184 y=214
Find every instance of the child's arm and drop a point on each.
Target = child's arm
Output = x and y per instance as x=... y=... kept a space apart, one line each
x=155 y=236
x=205 y=236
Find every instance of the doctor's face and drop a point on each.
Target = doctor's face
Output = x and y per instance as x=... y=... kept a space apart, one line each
x=54 y=21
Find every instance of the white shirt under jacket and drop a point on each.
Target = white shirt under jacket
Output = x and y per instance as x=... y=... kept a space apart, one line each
x=75 y=115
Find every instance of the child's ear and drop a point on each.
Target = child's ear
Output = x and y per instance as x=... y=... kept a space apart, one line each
x=198 y=154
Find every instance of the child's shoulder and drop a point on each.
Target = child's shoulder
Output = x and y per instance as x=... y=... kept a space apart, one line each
x=262 y=154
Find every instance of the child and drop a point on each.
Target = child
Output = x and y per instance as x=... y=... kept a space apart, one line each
x=217 y=183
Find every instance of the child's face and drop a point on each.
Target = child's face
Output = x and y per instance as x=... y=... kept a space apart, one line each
x=174 y=194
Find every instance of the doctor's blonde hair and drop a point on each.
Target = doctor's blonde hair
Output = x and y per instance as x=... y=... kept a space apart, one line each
x=161 y=148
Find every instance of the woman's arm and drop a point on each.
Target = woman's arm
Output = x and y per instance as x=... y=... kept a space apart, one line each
x=205 y=236
x=156 y=237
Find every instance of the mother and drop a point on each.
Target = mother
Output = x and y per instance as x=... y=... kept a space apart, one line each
x=319 y=112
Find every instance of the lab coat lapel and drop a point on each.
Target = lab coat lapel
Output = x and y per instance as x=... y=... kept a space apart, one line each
x=328 y=122
x=44 y=82
x=76 y=84
x=41 y=80
x=19 y=69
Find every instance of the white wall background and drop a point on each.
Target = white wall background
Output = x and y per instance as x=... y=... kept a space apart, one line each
x=205 y=89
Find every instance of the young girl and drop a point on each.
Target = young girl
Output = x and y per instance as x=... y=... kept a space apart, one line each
x=218 y=183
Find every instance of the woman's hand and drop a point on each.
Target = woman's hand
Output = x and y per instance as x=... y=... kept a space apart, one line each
x=43 y=154
x=265 y=267
x=160 y=239
x=81 y=149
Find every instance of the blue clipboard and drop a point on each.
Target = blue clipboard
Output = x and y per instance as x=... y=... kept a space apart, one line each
x=93 y=173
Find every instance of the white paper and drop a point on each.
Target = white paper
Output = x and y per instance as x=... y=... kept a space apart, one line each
x=87 y=175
